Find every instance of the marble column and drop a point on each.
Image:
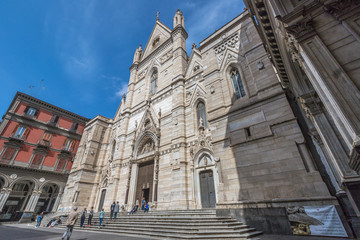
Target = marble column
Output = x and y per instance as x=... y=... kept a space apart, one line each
x=4 y=195
x=57 y=202
x=30 y=207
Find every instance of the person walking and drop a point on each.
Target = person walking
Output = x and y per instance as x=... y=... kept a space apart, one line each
x=39 y=219
x=116 y=209
x=91 y=214
x=112 y=210
x=101 y=217
x=83 y=216
x=70 y=222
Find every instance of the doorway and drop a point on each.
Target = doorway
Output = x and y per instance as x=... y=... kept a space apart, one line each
x=102 y=199
x=207 y=189
x=144 y=186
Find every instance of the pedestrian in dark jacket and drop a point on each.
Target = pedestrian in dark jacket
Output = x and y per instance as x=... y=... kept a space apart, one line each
x=70 y=222
x=143 y=203
x=83 y=216
x=112 y=208
x=91 y=214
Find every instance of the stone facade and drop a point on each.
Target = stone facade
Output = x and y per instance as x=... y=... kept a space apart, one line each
x=315 y=47
x=247 y=141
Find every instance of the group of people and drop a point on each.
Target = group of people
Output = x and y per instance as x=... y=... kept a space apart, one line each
x=144 y=206
x=73 y=216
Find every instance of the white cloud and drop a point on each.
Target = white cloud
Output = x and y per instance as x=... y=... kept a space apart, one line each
x=121 y=91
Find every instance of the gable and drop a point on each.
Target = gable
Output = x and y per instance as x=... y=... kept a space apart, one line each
x=159 y=35
x=195 y=64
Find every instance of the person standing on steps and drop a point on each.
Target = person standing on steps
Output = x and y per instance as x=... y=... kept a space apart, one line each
x=83 y=216
x=143 y=203
x=70 y=222
x=116 y=210
x=101 y=217
x=91 y=214
x=112 y=210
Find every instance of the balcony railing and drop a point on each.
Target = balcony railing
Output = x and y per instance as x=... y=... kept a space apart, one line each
x=44 y=143
x=67 y=149
x=54 y=124
x=29 y=116
x=5 y=161
x=35 y=166
x=18 y=136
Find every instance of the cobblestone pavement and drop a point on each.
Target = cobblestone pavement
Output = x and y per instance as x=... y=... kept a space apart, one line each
x=28 y=232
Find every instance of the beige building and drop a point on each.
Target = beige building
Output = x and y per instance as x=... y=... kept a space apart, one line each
x=213 y=130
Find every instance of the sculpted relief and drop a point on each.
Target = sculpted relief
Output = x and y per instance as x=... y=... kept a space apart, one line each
x=149 y=146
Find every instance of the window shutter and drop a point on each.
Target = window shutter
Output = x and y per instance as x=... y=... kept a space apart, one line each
x=65 y=142
x=26 y=133
x=47 y=136
x=72 y=146
x=26 y=109
x=15 y=129
x=36 y=113
x=56 y=119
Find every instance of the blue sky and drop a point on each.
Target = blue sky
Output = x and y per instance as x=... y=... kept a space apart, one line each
x=77 y=54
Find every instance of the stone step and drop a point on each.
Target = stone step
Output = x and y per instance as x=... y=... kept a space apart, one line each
x=169 y=227
x=184 y=224
x=173 y=225
x=168 y=236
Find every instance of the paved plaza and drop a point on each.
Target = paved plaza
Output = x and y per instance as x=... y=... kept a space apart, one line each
x=28 y=232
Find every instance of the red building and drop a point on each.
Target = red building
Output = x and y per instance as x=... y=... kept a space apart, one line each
x=38 y=142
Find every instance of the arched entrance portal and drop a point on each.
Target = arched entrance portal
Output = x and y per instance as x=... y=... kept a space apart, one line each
x=47 y=198
x=145 y=180
x=18 y=197
x=207 y=189
x=206 y=180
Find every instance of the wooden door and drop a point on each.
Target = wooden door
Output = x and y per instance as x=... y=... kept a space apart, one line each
x=145 y=181
x=207 y=189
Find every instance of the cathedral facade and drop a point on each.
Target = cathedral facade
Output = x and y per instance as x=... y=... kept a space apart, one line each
x=209 y=130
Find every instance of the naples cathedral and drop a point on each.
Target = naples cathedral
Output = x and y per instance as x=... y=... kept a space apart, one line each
x=210 y=128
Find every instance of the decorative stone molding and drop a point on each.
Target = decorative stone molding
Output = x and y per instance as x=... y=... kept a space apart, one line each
x=340 y=8
x=231 y=42
x=301 y=30
x=311 y=103
x=355 y=155
x=293 y=48
x=166 y=56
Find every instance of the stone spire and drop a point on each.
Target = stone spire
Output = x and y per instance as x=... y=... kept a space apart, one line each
x=179 y=19
x=138 y=54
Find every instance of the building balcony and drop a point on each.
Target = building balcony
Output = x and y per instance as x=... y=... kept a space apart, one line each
x=53 y=124
x=5 y=161
x=17 y=137
x=67 y=149
x=29 y=116
x=44 y=144
x=35 y=166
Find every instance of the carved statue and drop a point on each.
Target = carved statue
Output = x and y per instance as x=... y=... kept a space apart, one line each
x=148 y=147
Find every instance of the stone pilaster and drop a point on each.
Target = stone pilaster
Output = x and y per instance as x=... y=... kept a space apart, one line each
x=30 y=207
x=4 y=195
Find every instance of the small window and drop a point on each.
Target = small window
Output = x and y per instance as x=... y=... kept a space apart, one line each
x=54 y=119
x=7 y=155
x=154 y=77
x=201 y=115
x=238 y=85
x=46 y=139
x=37 y=160
x=248 y=133
x=21 y=132
x=30 y=111
x=69 y=145
x=76 y=195
x=74 y=126
x=61 y=165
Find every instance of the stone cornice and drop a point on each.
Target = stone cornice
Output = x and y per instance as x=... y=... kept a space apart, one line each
x=341 y=9
x=302 y=29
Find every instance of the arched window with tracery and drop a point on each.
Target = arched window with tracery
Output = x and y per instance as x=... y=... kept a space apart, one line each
x=154 y=77
x=201 y=115
x=238 y=84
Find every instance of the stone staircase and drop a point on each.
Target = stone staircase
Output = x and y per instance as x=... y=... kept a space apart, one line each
x=181 y=224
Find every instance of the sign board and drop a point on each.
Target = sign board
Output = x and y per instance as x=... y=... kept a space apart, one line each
x=316 y=221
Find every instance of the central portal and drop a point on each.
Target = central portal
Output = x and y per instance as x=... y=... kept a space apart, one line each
x=144 y=187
